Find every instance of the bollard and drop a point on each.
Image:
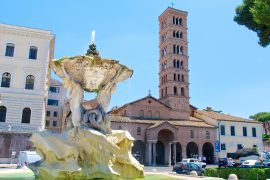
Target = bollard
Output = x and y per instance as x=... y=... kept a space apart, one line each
x=193 y=173
x=233 y=177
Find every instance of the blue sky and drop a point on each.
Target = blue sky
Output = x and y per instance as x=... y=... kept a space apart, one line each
x=229 y=71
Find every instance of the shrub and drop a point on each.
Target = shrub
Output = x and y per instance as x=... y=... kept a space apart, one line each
x=242 y=173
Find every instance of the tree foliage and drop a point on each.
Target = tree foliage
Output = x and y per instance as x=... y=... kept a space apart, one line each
x=263 y=117
x=255 y=15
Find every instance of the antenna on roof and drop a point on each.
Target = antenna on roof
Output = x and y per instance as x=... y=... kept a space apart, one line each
x=172 y=4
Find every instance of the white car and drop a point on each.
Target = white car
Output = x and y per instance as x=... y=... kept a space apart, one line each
x=196 y=161
x=27 y=157
x=252 y=163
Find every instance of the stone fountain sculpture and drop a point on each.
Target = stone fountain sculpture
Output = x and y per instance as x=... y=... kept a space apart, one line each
x=91 y=149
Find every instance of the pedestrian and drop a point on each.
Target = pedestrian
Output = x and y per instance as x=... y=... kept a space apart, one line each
x=204 y=159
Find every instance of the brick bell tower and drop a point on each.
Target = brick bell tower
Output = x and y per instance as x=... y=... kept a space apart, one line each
x=173 y=62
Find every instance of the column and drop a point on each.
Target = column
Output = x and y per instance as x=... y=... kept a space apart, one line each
x=170 y=155
x=154 y=153
x=149 y=153
x=174 y=152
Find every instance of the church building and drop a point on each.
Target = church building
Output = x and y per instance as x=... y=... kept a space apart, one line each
x=169 y=128
x=165 y=129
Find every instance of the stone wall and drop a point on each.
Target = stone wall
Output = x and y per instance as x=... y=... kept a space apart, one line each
x=13 y=142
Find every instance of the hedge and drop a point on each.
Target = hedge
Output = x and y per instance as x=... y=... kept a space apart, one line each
x=242 y=173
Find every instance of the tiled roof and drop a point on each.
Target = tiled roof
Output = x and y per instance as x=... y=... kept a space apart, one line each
x=224 y=117
x=195 y=122
x=93 y=103
x=114 y=111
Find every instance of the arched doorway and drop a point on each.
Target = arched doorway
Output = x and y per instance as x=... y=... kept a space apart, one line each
x=164 y=149
x=160 y=158
x=178 y=152
x=138 y=150
x=208 y=152
x=192 y=150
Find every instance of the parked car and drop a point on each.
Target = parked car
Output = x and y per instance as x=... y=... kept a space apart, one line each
x=252 y=163
x=196 y=161
x=223 y=162
x=186 y=168
x=266 y=163
x=27 y=157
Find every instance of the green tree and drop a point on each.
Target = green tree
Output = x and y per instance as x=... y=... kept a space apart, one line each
x=255 y=15
x=92 y=50
x=263 y=117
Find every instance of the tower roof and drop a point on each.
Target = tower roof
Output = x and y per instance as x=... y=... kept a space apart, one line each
x=170 y=9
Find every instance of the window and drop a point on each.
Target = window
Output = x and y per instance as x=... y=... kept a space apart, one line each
x=141 y=113
x=175 y=90
x=29 y=83
x=174 y=77
x=174 y=49
x=181 y=50
x=54 y=123
x=254 y=146
x=244 y=131
x=191 y=134
x=48 y=113
x=47 y=123
x=173 y=20
x=55 y=113
x=177 y=64
x=222 y=130
x=207 y=133
x=180 y=21
x=10 y=50
x=182 y=91
x=232 y=131
x=26 y=115
x=181 y=35
x=223 y=147
x=174 y=63
x=6 y=77
x=239 y=146
x=178 y=77
x=33 y=52
x=54 y=89
x=254 y=132
x=3 y=112
x=138 y=131
x=181 y=65
x=52 y=102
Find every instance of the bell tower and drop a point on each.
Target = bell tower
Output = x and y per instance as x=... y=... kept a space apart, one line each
x=173 y=62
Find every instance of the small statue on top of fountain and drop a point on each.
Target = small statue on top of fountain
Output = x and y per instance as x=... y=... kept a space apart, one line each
x=92 y=50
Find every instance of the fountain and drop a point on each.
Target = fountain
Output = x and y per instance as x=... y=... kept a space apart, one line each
x=90 y=149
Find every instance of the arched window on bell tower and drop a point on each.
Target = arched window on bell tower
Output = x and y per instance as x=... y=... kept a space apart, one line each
x=174 y=63
x=181 y=65
x=182 y=78
x=182 y=91
x=177 y=64
x=175 y=90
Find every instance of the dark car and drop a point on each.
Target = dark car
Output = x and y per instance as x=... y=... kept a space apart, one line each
x=223 y=162
x=186 y=168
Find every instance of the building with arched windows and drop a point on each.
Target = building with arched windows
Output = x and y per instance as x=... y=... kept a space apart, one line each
x=25 y=54
x=169 y=128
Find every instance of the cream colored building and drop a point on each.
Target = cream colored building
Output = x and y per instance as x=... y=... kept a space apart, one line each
x=55 y=106
x=25 y=54
x=24 y=69
x=233 y=132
